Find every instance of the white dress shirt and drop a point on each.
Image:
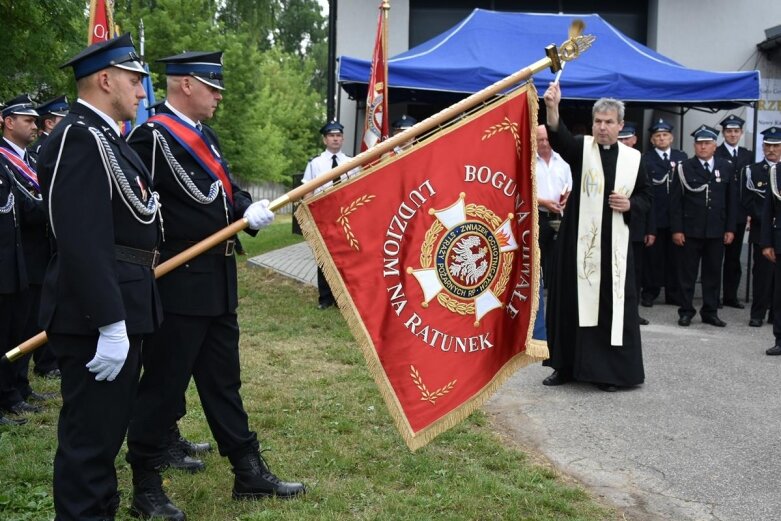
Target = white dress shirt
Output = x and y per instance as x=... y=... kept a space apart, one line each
x=552 y=178
x=322 y=164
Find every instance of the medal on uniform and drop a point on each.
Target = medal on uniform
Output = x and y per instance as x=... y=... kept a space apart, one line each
x=718 y=176
x=142 y=187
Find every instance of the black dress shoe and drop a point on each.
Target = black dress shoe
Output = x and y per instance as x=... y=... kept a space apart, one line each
x=23 y=407
x=326 y=305
x=774 y=351
x=685 y=321
x=194 y=449
x=713 y=320
x=557 y=378
x=179 y=460
x=608 y=388
x=41 y=397
x=646 y=303
x=54 y=374
x=734 y=304
x=12 y=422
x=643 y=321
x=755 y=322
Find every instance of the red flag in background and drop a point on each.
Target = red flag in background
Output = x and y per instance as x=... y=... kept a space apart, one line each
x=376 y=127
x=432 y=255
x=101 y=21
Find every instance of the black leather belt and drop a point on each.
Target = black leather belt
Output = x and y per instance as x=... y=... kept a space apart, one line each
x=148 y=259
x=225 y=248
x=549 y=216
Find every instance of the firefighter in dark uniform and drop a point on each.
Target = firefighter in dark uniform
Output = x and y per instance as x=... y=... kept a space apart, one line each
x=661 y=264
x=99 y=296
x=200 y=334
x=755 y=179
x=13 y=279
x=732 y=128
x=770 y=234
x=19 y=130
x=640 y=233
x=50 y=114
x=703 y=202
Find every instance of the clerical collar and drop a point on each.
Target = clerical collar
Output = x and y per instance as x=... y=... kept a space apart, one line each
x=181 y=114
x=19 y=151
x=105 y=117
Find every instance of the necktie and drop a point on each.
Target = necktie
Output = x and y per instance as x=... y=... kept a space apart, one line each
x=735 y=153
x=334 y=164
x=706 y=166
x=665 y=157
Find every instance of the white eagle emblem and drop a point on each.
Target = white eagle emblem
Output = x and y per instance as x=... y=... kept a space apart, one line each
x=468 y=265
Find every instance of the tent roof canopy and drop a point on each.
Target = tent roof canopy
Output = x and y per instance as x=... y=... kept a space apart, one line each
x=489 y=45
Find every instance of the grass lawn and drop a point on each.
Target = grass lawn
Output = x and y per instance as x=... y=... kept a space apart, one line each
x=317 y=411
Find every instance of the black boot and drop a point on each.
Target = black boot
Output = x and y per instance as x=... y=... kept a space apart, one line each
x=190 y=448
x=149 y=499
x=254 y=480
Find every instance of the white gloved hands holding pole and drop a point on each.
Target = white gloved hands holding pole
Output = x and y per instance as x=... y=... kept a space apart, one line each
x=258 y=215
x=113 y=345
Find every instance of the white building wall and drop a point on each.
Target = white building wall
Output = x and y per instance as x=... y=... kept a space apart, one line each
x=717 y=35
x=356 y=28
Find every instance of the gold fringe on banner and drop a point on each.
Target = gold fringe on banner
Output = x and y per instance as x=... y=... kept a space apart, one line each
x=536 y=350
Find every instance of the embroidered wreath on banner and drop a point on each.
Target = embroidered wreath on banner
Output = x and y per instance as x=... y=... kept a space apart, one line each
x=466 y=260
x=505 y=125
x=345 y=222
x=425 y=394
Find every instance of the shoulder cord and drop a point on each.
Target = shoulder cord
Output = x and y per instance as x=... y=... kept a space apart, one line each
x=9 y=205
x=114 y=173
x=750 y=183
x=774 y=182
x=184 y=181
x=686 y=186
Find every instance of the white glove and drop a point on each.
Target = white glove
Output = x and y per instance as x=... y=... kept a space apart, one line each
x=113 y=345
x=258 y=215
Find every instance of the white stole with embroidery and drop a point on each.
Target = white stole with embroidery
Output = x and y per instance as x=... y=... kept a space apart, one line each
x=589 y=251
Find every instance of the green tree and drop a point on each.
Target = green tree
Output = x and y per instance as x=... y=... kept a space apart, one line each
x=40 y=35
x=268 y=119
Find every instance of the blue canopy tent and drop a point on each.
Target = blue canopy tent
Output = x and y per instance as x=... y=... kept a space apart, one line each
x=489 y=45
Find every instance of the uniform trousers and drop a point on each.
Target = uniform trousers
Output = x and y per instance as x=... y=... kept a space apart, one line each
x=709 y=254
x=762 y=284
x=14 y=383
x=92 y=426
x=206 y=348
x=325 y=295
x=777 y=299
x=45 y=360
x=26 y=306
x=732 y=269
x=547 y=244
x=662 y=269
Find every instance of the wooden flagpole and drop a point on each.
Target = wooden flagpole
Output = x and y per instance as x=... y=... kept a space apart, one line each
x=555 y=57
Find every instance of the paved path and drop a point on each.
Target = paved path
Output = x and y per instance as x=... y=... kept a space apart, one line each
x=700 y=440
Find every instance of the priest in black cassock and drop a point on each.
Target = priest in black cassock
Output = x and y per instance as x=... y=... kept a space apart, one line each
x=591 y=316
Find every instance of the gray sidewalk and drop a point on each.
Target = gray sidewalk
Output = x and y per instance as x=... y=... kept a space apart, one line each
x=700 y=440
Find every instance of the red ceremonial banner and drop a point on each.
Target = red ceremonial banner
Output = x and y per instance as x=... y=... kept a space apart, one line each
x=376 y=126
x=432 y=256
x=101 y=21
